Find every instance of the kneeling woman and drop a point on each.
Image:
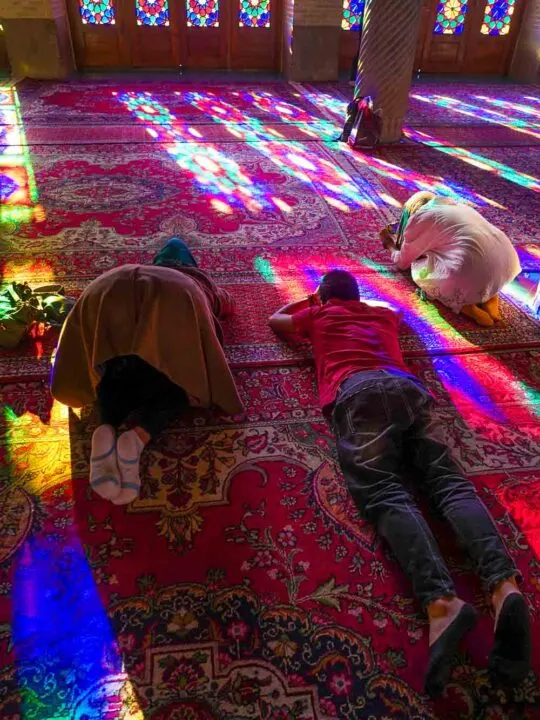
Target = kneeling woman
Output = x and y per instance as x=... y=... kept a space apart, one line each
x=455 y=255
x=144 y=341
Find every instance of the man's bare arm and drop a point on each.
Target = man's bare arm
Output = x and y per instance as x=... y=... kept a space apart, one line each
x=281 y=321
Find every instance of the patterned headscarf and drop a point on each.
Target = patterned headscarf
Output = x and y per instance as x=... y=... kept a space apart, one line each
x=413 y=204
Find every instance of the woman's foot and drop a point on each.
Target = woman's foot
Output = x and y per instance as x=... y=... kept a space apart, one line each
x=481 y=317
x=492 y=308
x=510 y=659
x=450 y=619
x=129 y=449
x=104 y=472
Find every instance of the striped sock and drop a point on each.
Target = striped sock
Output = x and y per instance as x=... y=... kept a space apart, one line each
x=129 y=448
x=104 y=472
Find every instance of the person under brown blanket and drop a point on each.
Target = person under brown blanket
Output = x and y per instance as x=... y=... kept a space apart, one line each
x=144 y=342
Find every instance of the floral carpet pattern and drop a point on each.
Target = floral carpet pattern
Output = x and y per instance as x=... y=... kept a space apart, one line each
x=242 y=583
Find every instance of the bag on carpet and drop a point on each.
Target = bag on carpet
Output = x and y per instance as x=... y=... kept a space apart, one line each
x=362 y=126
x=22 y=308
x=366 y=129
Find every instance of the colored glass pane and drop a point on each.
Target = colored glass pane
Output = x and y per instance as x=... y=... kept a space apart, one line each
x=254 y=13
x=450 y=18
x=97 y=12
x=202 y=13
x=152 y=12
x=353 y=13
x=498 y=17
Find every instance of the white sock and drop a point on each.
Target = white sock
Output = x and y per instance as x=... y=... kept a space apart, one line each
x=104 y=472
x=129 y=450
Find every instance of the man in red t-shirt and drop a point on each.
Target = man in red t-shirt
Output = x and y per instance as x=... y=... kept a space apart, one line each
x=379 y=410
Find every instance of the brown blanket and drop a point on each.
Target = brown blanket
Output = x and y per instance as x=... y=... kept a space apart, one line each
x=163 y=316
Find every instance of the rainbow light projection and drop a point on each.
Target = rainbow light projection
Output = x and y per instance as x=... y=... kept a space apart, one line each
x=474 y=394
x=327 y=104
x=216 y=173
x=310 y=125
x=293 y=158
x=450 y=18
x=485 y=114
x=18 y=190
x=498 y=17
x=511 y=106
x=479 y=161
x=415 y=181
x=60 y=630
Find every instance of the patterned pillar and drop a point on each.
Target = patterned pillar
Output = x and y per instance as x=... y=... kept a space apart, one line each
x=37 y=38
x=386 y=61
x=525 y=66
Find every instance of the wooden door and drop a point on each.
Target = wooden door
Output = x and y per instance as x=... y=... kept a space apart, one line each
x=469 y=36
x=200 y=34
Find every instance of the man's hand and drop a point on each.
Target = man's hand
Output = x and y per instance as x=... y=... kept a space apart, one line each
x=387 y=240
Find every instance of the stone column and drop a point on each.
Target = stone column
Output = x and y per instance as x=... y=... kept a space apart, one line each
x=312 y=31
x=38 y=38
x=525 y=65
x=385 y=66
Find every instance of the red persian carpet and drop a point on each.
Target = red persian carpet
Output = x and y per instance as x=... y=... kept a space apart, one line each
x=242 y=582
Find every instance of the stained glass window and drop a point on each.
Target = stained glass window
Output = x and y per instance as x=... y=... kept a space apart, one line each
x=450 y=17
x=254 y=13
x=152 y=12
x=353 y=12
x=498 y=17
x=97 y=12
x=202 y=13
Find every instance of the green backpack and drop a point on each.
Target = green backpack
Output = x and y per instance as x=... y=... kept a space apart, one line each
x=22 y=307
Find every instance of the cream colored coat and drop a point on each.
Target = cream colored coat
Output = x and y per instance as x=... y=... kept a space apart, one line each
x=456 y=256
x=160 y=314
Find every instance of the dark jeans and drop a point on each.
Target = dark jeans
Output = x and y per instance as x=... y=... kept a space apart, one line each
x=131 y=388
x=380 y=419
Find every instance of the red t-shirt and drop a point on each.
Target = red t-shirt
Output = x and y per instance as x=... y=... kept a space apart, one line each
x=349 y=336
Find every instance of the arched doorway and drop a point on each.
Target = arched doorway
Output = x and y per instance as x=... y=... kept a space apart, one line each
x=211 y=34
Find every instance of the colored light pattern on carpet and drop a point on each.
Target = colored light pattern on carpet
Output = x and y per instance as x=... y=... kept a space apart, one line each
x=46 y=623
x=498 y=17
x=97 y=12
x=479 y=161
x=485 y=114
x=326 y=104
x=166 y=627
x=254 y=13
x=291 y=157
x=289 y=114
x=202 y=13
x=455 y=371
x=511 y=106
x=152 y=12
x=216 y=173
x=414 y=181
x=353 y=14
x=450 y=19
x=18 y=190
